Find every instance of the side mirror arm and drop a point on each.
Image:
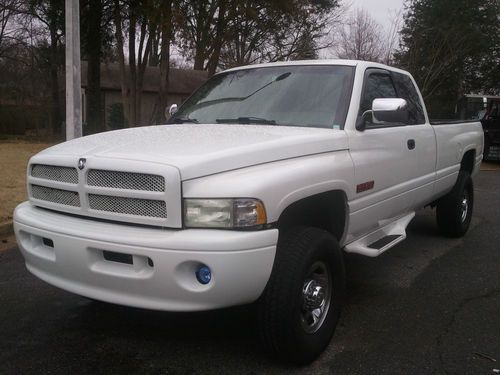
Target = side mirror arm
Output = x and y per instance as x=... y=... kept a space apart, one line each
x=361 y=121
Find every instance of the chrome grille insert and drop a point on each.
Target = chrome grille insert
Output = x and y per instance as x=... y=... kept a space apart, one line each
x=55 y=173
x=65 y=197
x=125 y=180
x=128 y=206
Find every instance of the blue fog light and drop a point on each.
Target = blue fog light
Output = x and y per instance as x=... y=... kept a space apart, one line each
x=203 y=275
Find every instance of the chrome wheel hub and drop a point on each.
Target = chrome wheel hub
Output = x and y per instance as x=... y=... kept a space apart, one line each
x=464 y=207
x=316 y=296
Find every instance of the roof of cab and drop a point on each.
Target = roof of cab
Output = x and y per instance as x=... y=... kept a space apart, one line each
x=297 y=63
x=360 y=63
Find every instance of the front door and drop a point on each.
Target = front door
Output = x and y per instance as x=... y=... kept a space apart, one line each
x=394 y=162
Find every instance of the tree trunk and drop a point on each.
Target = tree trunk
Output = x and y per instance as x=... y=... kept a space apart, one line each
x=94 y=41
x=200 y=40
x=199 y=57
x=55 y=110
x=143 y=58
x=121 y=59
x=153 y=54
x=166 y=32
x=132 y=66
x=213 y=61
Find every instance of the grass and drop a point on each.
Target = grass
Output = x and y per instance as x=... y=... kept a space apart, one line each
x=14 y=156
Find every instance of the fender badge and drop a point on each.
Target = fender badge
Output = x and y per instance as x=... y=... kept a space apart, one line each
x=365 y=186
x=81 y=163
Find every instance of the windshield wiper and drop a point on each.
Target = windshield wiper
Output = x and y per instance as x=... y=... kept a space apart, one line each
x=183 y=120
x=245 y=120
x=239 y=98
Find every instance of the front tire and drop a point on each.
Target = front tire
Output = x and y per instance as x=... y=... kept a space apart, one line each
x=454 y=210
x=300 y=307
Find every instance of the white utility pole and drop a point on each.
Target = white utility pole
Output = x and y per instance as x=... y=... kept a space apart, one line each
x=73 y=71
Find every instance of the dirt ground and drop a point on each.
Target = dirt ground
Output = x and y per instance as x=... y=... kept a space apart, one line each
x=14 y=156
x=490 y=166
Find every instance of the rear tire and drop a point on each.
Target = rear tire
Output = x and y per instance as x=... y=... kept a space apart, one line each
x=454 y=210
x=300 y=307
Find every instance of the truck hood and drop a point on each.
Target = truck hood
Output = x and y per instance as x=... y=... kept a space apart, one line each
x=203 y=149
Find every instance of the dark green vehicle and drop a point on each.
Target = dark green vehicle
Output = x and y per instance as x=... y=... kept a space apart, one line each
x=491 y=127
x=485 y=108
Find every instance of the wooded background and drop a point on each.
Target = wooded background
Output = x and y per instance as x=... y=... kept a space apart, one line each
x=452 y=47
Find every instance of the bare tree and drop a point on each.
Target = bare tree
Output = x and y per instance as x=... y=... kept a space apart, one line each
x=361 y=38
x=118 y=21
x=250 y=26
x=393 y=37
x=165 y=35
x=18 y=30
x=8 y=33
x=50 y=14
x=201 y=30
x=261 y=31
x=139 y=20
x=306 y=35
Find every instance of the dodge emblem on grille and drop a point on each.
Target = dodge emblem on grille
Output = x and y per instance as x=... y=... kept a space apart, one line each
x=81 y=163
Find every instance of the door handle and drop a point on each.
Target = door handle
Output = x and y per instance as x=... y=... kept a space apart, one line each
x=411 y=144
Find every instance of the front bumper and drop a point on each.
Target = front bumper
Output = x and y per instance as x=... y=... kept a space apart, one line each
x=69 y=252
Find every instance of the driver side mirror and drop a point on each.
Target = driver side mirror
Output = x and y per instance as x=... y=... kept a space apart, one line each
x=171 y=110
x=390 y=110
x=385 y=110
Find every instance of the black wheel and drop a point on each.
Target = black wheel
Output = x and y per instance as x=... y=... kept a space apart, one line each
x=454 y=210
x=300 y=307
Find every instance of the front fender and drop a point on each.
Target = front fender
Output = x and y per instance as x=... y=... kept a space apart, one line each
x=281 y=183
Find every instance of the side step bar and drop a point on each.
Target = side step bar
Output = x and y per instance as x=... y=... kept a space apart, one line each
x=382 y=239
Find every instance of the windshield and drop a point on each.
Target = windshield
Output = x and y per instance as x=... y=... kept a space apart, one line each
x=314 y=96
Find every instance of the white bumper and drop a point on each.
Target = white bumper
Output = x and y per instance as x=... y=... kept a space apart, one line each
x=162 y=273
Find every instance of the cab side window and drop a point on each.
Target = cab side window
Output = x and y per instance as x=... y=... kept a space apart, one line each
x=377 y=85
x=406 y=90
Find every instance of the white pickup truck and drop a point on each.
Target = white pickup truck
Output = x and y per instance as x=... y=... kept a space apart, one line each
x=252 y=192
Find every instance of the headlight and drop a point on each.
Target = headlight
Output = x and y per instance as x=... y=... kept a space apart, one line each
x=224 y=213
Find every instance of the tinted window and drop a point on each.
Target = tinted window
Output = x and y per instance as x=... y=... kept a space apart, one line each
x=406 y=90
x=377 y=85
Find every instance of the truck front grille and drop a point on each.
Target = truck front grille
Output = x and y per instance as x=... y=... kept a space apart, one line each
x=64 y=197
x=125 y=180
x=118 y=195
x=55 y=173
x=128 y=206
